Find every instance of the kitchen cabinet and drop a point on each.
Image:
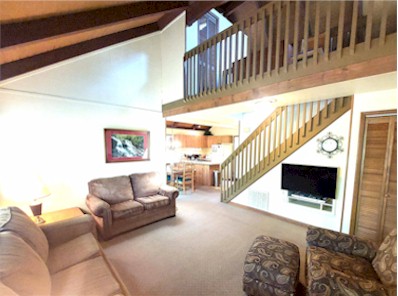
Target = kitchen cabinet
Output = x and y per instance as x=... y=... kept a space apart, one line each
x=204 y=174
x=211 y=140
x=188 y=141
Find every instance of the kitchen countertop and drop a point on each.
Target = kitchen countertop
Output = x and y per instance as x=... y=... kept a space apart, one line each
x=203 y=162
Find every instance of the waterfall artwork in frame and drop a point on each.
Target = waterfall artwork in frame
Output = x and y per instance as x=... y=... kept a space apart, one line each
x=126 y=145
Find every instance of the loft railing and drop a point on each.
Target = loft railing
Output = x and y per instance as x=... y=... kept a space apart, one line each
x=282 y=37
x=277 y=137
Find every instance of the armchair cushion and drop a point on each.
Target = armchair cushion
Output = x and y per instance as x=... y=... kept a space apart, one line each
x=349 y=264
x=112 y=190
x=145 y=184
x=23 y=226
x=154 y=201
x=340 y=242
x=61 y=256
x=126 y=209
x=385 y=262
x=21 y=268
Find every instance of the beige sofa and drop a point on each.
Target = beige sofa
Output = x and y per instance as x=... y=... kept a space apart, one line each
x=342 y=264
x=123 y=203
x=61 y=258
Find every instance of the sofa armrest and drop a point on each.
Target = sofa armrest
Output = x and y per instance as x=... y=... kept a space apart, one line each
x=169 y=191
x=97 y=206
x=340 y=242
x=66 y=230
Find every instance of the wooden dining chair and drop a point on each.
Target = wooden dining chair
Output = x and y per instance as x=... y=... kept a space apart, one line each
x=185 y=177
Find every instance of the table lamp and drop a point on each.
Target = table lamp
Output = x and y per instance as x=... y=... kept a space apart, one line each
x=36 y=205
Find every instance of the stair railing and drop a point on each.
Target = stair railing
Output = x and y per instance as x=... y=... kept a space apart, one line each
x=278 y=136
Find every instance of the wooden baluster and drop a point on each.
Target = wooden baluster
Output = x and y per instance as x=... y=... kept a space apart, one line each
x=326 y=108
x=285 y=125
x=306 y=23
x=248 y=49
x=220 y=63
x=296 y=32
x=230 y=77
x=318 y=112
x=280 y=133
x=215 y=62
x=369 y=25
x=340 y=33
x=262 y=42
x=236 y=66
x=312 y=116
x=291 y=126
x=242 y=49
x=304 y=133
x=327 y=31
x=275 y=134
x=278 y=36
x=255 y=59
x=333 y=106
x=269 y=141
x=298 y=123
x=316 y=33
x=354 y=23
x=286 y=41
x=383 y=23
x=270 y=37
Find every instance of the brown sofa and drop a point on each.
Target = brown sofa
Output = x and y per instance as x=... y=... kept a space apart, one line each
x=123 y=203
x=342 y=264
x=61 y=258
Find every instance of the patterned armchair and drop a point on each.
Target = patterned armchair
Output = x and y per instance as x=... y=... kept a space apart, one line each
x=342 y=264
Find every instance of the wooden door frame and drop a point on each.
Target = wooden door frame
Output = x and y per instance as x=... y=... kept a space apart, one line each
x=359 y=163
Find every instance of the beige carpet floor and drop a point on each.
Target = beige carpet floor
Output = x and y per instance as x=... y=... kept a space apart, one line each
x=200 y=251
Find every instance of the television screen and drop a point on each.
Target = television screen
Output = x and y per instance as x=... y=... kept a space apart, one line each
x=310 y=180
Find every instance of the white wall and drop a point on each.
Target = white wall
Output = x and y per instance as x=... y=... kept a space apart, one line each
x=173 y=50
x=307 y=155
x=367 y=102
x=52 y=120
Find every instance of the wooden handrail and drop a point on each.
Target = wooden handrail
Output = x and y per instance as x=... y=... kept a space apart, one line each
x=279 y=135
x=278 y=38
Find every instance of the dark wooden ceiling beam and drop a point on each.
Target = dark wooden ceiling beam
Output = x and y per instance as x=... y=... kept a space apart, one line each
x=228 y=8
x=198 y=8
x=22 y=66
x=21 y=32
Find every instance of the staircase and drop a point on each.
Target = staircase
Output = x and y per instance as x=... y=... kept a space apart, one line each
x=278 y=136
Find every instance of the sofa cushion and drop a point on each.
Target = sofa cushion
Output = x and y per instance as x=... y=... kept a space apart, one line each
x=21 y=268
x=154 y=201
x=90 y=277
x=112 y=190
x=66 y=254
x=23 y=226
x=126 y=209
x=385 y=262
x=145 y=184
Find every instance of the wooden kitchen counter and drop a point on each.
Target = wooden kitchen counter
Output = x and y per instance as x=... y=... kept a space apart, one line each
x=204 y=172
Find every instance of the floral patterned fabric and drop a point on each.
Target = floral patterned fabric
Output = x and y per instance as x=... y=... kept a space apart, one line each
x=271 y=267
x=340 y=264
x=385 y=262
x=340 y=242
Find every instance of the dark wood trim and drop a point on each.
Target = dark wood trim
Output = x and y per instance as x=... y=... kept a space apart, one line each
x=38 y=61
x=21 y=32
x=198 y=8
x=375 y=66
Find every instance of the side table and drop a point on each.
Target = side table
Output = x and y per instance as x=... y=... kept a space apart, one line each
x=60 y=215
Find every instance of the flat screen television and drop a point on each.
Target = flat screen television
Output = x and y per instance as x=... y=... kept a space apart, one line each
x=315 y=181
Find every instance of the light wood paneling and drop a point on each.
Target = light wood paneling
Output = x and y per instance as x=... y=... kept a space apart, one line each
x=375 y=199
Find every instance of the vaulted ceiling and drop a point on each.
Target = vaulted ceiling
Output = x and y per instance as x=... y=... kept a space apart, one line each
x=35 y=34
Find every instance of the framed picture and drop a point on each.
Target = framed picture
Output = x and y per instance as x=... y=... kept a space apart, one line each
x=126 y=145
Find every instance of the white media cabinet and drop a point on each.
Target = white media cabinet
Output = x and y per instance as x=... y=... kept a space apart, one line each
x=320 y=204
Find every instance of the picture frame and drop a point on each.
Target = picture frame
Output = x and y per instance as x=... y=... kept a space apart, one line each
x=126 y=145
